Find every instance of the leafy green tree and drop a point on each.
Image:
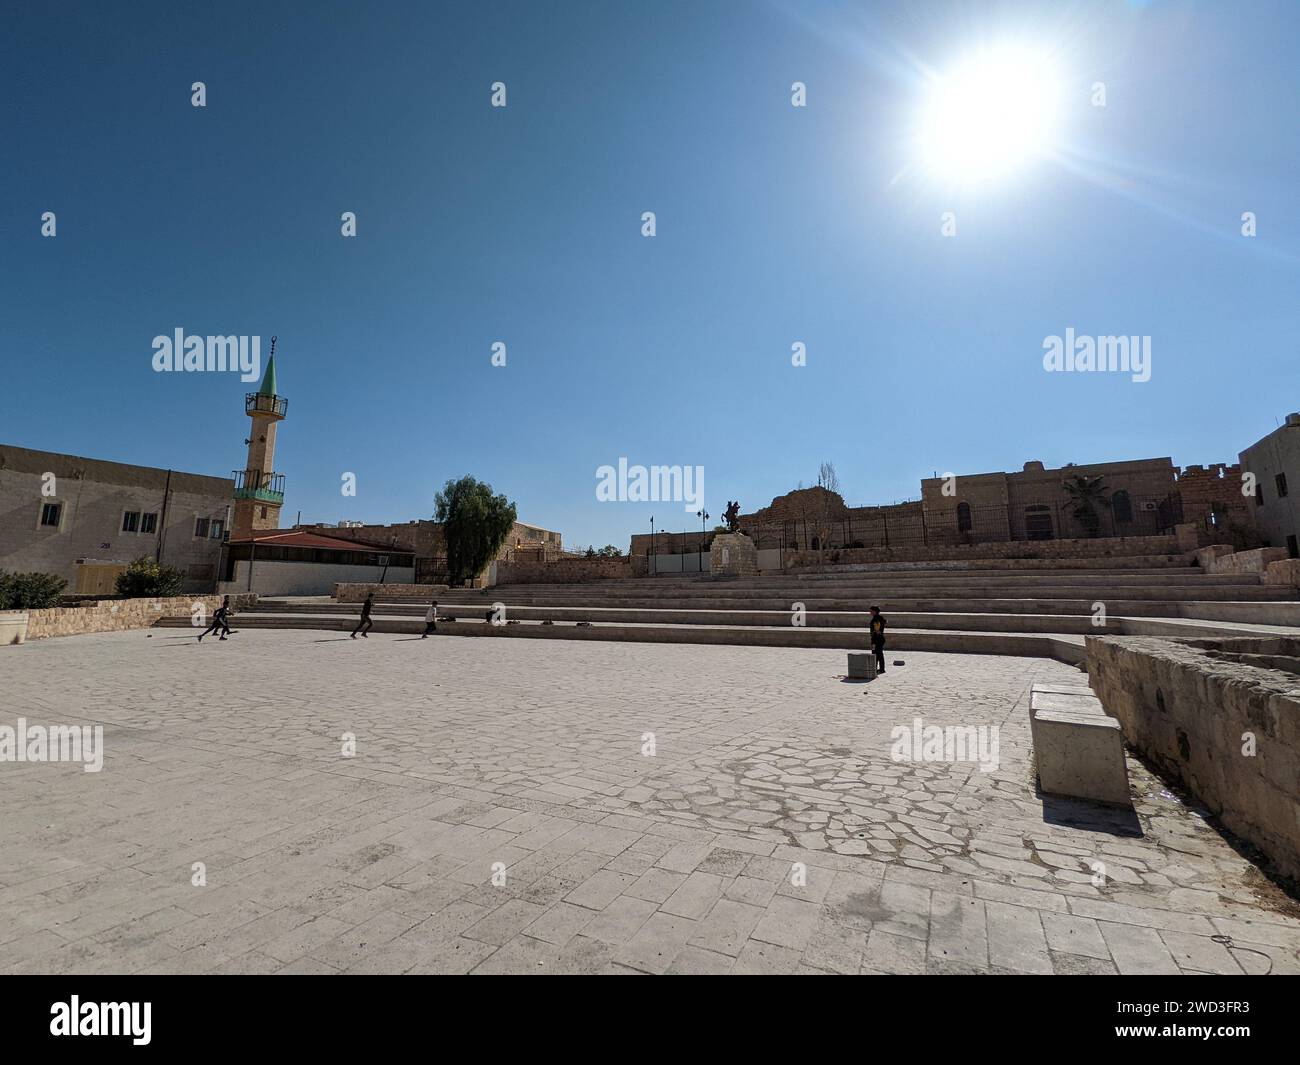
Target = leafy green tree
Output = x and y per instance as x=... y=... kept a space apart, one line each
x=608 y=551
x=475 y=523
x=1086 y=495
x=30 y=591
x=146 y=579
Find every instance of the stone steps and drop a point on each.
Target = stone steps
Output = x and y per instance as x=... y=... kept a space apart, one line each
x=1079 y=624
x=1062 y=647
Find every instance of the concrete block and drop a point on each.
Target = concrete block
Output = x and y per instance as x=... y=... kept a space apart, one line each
x=13 y=626
x=1078 y=749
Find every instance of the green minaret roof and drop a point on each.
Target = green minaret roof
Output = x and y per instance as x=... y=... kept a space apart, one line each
x=268 y=379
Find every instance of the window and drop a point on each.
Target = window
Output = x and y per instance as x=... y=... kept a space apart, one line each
x=1122 y=507
x=1292 y=548
x=202 y=526
x=217 y=529
x=963 y=517
x=149 y=523
x=1279 y=482
x=264 y=512
x=131 y=521
x=1259 y=494
x=51 y=515
x=1038 y=522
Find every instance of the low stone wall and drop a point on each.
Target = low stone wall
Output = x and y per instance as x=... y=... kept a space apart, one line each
x=1197 y=709
x=355 y=593
x=564 y=571
x=112 y=615
x=1219 y=558
x=1113 y=549
x=1139 y=548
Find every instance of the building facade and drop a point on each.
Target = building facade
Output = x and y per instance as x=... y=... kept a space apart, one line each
x=1274 y=465
x=86 y=520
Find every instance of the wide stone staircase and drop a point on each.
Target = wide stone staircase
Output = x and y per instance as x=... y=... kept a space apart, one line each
x=939 y=607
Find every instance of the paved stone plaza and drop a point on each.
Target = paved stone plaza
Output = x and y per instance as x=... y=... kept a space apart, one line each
x=529 y=753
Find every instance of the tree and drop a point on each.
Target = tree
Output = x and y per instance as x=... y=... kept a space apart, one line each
x=475 y=523
x=826 y=478
x=30 y=591
x=826 y=505
x=146 y=579
x=608 y=551
x=1086 y=493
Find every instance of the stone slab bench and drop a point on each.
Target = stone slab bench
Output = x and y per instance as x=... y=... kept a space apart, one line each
x=1078 y=748
x=862 y=666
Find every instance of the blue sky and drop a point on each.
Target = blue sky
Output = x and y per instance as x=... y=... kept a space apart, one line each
x=775 y=224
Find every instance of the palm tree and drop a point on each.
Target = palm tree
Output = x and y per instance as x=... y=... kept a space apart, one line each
x=1085 y=494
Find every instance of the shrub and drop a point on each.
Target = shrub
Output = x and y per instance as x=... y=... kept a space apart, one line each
x=30 y=591
x=146 y=579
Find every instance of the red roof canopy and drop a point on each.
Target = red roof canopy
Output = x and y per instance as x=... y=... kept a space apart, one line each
x=297 y=538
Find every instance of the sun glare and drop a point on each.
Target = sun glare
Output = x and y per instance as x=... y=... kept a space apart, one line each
x=991 y=115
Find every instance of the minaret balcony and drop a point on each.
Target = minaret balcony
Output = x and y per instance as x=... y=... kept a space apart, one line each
x=261 y=403
x=261 y=486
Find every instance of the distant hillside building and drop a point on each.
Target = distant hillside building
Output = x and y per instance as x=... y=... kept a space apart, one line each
x=86 y=519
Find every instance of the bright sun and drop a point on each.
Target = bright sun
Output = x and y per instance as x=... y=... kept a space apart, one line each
x=990 y=115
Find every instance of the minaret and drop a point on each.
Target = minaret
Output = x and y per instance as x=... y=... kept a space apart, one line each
x=259 y=491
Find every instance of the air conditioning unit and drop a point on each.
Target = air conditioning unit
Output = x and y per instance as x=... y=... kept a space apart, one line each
x=1148 y=504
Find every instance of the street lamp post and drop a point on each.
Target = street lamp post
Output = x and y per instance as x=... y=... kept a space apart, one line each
x=652 y=545
x=703 y=515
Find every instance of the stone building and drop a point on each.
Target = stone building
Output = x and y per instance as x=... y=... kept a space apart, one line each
x=86 y=519
x=1034 y=504
x=1274 y=462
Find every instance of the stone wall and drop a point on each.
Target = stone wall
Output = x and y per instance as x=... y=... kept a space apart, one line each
x=564 y=571
x=1214 y=491
x=1195 y=707
x=112 y=615
x=1113 y=547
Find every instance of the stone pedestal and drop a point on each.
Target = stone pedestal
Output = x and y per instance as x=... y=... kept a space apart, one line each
x=733 y=555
